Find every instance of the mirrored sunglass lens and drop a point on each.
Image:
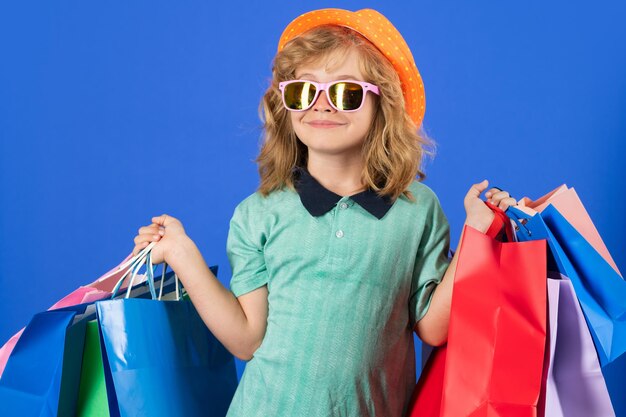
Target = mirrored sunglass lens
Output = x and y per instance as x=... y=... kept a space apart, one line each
x=299 y=95
x=346 y=96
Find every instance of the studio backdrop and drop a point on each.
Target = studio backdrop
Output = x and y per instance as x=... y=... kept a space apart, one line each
x=113 y=112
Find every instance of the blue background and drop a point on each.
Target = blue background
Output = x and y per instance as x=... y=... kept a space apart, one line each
x=112 y=112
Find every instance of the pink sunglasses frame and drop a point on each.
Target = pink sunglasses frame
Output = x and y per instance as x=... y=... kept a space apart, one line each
x=324 y=87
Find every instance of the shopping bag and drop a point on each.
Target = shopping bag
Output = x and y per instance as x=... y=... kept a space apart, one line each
x=81 y=295
x=497 y=333
x=92 y=396
x=575 y=384
x=567 y=202
x=161 y=360
x=427 y=394
x=599 y=288
x=41 y=376
x=97 y=290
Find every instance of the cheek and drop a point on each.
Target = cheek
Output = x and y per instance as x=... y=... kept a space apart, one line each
x=295 y=119
x=370 y=104
x=367 y=114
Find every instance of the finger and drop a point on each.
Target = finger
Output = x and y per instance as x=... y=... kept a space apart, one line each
x=507 y=202
x=492 y=191
x=162 y=220
x=159 y=229
x=152 y=229
x=139 y=247
x=147 y=238
x=495 y=198
x=477 y=189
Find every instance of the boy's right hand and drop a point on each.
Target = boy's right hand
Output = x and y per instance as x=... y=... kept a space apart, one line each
x=167 y=231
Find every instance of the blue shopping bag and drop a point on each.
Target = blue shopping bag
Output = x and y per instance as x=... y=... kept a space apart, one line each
x=161 y=360
x=600 y=290
x=42 y=374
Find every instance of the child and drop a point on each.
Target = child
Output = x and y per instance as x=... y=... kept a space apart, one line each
x=341 y=254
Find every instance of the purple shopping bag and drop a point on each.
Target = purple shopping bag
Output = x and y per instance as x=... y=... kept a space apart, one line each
x=575 y=386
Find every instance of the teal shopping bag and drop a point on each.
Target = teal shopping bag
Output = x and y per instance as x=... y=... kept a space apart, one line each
x=160 y=359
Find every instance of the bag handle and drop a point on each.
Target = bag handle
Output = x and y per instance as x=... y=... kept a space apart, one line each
x=520 y=218
x=147 y=260
x=150 y=278
x=135 y=261
x=130 y=260
x=145 y=257
x=176 y=281
x=499 y=221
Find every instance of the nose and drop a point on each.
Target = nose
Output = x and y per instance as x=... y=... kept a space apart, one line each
x=322 y=104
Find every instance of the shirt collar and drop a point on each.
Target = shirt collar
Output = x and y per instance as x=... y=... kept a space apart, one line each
x=319 y=200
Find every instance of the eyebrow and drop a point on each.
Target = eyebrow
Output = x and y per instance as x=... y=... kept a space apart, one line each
x=341 y=77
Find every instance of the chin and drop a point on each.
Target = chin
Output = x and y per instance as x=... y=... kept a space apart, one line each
x=332 y=148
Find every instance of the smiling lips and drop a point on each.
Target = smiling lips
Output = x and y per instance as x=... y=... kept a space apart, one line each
x=324 y=124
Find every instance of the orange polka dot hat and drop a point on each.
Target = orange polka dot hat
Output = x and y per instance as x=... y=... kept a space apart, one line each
x=379 y=31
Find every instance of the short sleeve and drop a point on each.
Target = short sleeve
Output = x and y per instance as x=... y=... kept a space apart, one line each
x=431 y=261
x=244 y=247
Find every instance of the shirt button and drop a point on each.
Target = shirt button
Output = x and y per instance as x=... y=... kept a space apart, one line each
x=339 y=234
x=343 y=206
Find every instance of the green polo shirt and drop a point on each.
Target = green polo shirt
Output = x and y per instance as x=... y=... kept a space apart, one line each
x=347 y=279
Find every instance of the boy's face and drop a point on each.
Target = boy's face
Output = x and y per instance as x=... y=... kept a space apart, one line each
x=324 y=130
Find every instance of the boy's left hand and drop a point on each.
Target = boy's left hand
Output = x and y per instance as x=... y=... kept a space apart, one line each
x=478 y=215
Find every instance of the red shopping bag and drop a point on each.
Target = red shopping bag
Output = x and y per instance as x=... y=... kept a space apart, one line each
x=493 y=363
x=497 y=334
x=426 y=399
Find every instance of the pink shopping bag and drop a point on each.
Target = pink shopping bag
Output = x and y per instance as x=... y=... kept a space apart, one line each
x=97 y=290
x=567 y=202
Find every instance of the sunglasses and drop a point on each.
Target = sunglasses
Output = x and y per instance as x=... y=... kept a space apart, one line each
x=343 y=95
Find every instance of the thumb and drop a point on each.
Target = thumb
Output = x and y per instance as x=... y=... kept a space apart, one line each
x=476 y=190
x=163 y=220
